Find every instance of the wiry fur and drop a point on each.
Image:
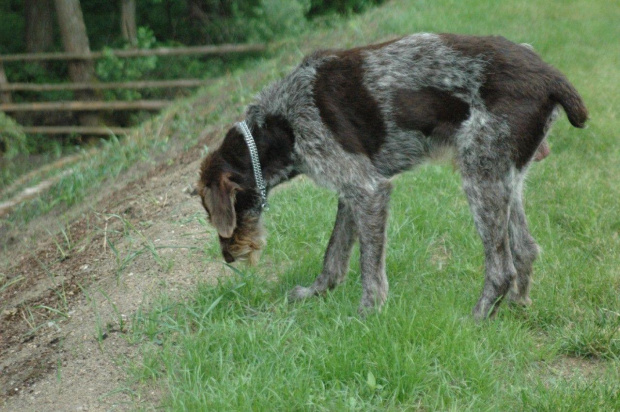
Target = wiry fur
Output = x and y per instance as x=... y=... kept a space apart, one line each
x=247 y=241
x=352 y=119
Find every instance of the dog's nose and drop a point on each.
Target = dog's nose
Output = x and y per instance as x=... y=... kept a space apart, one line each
x=228 y=257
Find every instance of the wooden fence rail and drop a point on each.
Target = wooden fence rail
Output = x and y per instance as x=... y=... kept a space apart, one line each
x=84 y=106
x=89 y=130
x=146 y=84
x=162 y=51
x=6 y=88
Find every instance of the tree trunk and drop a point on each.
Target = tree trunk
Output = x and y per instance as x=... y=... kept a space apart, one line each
x=75 y=40
x=39 y=25
x=129 y=30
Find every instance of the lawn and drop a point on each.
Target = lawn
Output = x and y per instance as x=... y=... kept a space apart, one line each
x=239 y=345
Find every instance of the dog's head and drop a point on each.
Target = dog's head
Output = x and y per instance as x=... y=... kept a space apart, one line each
x=229 y=195
x=227 y=185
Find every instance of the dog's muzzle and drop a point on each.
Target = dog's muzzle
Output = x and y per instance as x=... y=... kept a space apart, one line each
x=228 y=258
x=225 y=244
x=240 y=248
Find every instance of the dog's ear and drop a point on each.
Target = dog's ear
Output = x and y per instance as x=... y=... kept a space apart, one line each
x=220 y=199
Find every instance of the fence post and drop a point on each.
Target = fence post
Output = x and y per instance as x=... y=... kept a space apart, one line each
x=5 y=97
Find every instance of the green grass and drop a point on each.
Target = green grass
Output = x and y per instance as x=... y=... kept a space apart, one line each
x=239 y=345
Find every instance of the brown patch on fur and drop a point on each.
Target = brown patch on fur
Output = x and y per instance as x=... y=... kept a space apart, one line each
x=519 y=82
x=432 y=111
x=346 y=107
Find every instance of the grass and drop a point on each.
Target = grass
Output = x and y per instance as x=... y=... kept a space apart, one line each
x=239 y=345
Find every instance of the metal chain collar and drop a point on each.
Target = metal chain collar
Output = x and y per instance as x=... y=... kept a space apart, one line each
x=258 y=176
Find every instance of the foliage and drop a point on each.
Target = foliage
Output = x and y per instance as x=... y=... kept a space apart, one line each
x=209 y=22
x=234 y=21
x=272 y=19
x=340 y=6
x=115 y=69
x=36 y=72
x=12 y=138
x=11 y=22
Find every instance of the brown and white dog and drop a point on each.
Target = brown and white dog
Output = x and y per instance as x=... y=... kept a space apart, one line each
x=352 y=119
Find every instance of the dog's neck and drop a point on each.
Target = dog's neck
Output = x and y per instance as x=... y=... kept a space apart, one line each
x=274 y=143
x=256 y=167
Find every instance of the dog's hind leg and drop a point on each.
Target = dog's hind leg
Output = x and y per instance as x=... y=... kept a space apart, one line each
x=337 y=256
x=489 y=181
x=489 y=200
x=523 y=246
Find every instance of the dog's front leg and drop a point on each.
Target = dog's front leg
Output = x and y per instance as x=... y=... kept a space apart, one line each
x=370 y=210
x=337 y=255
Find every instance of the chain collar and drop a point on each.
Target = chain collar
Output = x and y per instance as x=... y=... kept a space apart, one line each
x=258 y=176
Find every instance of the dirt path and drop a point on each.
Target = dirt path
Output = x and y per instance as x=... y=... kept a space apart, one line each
x=65 y=314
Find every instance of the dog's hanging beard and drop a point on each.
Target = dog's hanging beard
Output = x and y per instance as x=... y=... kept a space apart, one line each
x=247 y=241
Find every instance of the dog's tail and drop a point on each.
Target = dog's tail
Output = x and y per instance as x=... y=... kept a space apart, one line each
x=565 y=94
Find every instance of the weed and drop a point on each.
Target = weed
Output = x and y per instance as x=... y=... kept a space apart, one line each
x=52 y=310
x=100 y=330
x=120 y=318
x=11 y=282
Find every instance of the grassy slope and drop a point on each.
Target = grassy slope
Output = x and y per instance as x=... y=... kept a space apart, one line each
x=240 y=346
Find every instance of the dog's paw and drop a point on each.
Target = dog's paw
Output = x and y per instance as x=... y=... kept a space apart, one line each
x=515 y=299
x=485 y=310
x=363 y=311
x=300 y=293
x=370 y=306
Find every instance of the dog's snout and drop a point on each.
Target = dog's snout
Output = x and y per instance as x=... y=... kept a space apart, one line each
x=225 y=244
x=228 y=257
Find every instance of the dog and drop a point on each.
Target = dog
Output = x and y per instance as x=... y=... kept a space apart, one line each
x=353 y=119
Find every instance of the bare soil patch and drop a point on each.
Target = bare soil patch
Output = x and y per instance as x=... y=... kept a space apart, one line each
x=67 y=299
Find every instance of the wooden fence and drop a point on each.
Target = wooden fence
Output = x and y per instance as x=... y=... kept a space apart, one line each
x=6 y=88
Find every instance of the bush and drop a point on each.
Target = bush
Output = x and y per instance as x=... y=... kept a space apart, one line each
x=273 y=18
x=12 y=138
x=339 y=6
x=116 y=69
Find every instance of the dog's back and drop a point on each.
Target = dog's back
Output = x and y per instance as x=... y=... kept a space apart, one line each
x=399 y=101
